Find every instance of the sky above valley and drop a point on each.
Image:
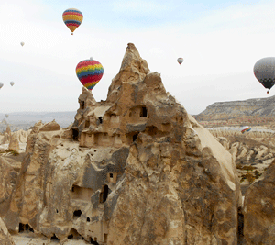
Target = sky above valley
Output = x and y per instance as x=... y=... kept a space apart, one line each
x=220 y=41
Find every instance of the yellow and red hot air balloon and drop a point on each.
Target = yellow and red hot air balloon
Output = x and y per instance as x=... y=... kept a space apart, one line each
x=72 y=18
x=89 y=72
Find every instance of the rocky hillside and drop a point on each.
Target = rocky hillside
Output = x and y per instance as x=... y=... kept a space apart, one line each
x=262 y=107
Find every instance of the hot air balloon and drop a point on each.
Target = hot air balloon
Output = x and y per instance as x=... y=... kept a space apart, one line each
x=72 y=18
x=180 y=60
x=264 y=70
x=22 y=44
x=245 y=129
x=11 y=83
x=1 y=85
x=89 y=72
x=6 y=115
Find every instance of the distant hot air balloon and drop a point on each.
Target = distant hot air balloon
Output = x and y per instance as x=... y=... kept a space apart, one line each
x=22 y=44
x=1 y=85
x=180 y=60
x=72 y=18
x=89 y=72
x=264 y=70
x=245 y=129
x=6 y=115
x=12 y=83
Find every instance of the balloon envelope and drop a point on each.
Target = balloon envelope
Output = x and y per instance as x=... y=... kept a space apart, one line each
x=72 y=18
x=89 y=72
x=264 y=70
x=22 y=44
x=12 y=83
x=1 y=85
x=180 y=60
x=245 y=129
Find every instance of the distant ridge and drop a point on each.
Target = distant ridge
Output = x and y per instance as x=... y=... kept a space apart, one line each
x=260 y=107
x=25 y=120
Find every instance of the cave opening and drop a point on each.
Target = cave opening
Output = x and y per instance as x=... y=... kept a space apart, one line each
x=21 y=227
x=135 y=137
x=88 y=219
x=94 y=241
x=77 y=213
x=143 y=112
x=75 y=133
x=54 y=237
x=100 y=120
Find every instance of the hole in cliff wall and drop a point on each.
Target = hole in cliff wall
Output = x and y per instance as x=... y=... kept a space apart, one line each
x=77 y=213
x=57 y=211
x=143 y=112
x=105 y=237
x=88 y=219
x=94 y=241
x=54 y=237
x=21 y=227
x=75 y=133
x=104 y=194
x=82 y=104
x=100 y=119
x=70 y=236
x=135 y=137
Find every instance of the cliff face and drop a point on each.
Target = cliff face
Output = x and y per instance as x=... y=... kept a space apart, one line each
x=262 y=107
x=134 y=169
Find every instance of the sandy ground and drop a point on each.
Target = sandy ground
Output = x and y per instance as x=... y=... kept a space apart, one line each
x=25 y=239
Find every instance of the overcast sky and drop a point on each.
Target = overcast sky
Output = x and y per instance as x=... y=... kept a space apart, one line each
x=220 y=41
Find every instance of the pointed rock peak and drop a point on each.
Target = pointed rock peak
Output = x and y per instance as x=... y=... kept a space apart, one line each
x=133 y=70
x=86 y=98
x=132 y=60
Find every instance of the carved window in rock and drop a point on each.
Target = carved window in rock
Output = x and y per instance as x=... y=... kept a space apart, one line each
x=75 y=133
x=77 y=213
x=143 y=112
x=135 y=137
x=100 y=119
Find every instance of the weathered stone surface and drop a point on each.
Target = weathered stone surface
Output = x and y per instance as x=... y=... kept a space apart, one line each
x=5 y=237
x=135 y=169
x=51 y=126
x=259 y=210
x=14 y=142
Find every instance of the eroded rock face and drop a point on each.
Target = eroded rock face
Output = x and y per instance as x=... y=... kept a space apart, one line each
x=259 y=210
x=134 y=169
x=5 y=237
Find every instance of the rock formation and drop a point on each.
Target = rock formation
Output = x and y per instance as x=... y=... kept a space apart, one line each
x=251 y=107
x=259 y=210
x=134 y=169
x=5 y=237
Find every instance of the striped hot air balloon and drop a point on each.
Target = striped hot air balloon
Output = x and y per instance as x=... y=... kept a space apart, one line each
x=89 y=72
x=72 y=18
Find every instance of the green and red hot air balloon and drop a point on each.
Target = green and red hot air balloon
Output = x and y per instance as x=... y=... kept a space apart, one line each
x=89 y=72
